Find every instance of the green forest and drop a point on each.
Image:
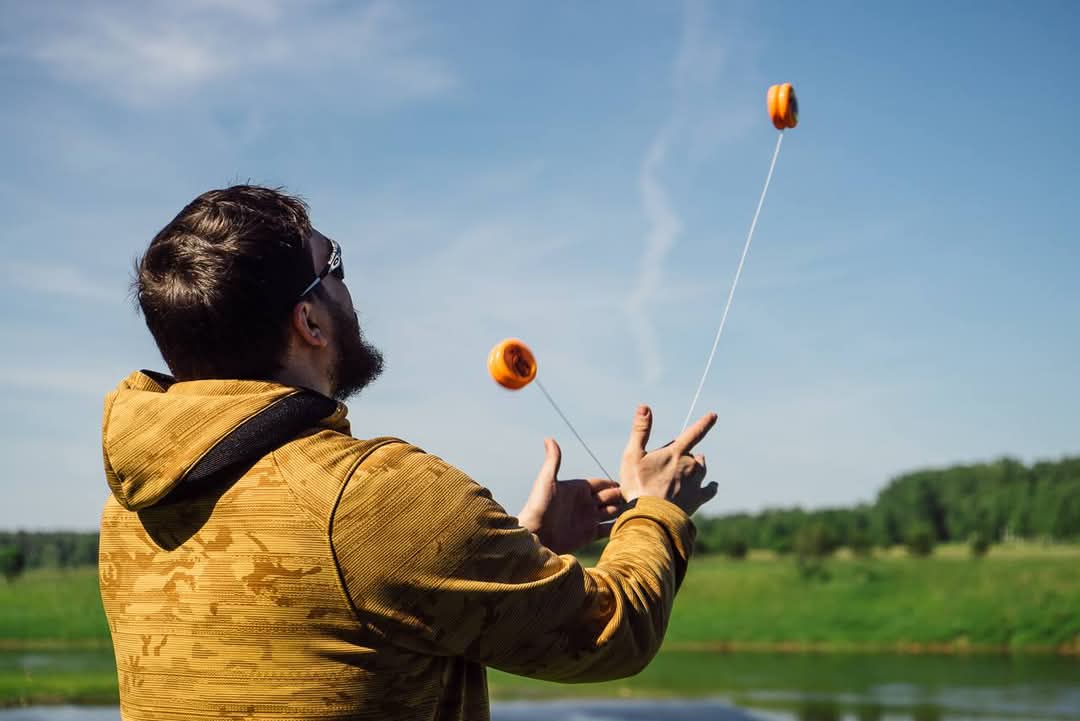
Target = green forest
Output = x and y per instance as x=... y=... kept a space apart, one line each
x=982 y=504
x=22 y=550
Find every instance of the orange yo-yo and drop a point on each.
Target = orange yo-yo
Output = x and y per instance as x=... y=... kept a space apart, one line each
x=783 y=106
x=512 y=364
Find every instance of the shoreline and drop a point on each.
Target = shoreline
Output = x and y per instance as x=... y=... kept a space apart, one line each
x=897 y=648
x=795 y=680
x=55 y=644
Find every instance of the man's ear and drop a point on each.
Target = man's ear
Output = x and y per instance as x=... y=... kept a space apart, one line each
x=308 y=325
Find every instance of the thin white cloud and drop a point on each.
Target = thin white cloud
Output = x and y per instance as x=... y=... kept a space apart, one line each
x=664 y=228
x=701 y=117
x=664 y=221
x=148 y=54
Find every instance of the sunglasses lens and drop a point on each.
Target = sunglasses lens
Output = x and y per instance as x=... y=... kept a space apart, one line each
x=337 y=266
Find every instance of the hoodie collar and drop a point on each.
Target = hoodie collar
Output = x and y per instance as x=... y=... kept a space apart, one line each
x=158 y=434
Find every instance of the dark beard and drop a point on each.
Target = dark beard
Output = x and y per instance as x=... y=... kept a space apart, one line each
x=358 y=362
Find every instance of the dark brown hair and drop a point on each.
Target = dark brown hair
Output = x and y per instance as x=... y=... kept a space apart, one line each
x=218 y=282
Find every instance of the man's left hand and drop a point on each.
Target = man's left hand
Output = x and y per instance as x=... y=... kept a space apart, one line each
x=567 y=515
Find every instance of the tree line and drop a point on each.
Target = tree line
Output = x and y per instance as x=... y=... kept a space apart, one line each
x=979 y=504
x=20 y=550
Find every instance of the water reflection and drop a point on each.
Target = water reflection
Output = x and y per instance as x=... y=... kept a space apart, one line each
x=820 y=711
x=773 y=687
x=591 y=710
x=831 y=711
x=509 y=711
x=61 y=713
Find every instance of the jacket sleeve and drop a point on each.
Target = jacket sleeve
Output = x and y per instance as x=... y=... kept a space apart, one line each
x=431 y=560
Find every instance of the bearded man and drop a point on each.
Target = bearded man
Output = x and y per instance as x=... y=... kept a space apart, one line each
x=259 y=562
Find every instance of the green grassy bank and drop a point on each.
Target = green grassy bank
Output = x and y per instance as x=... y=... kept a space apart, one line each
x=1007 y=601
x=1011 y=601
x=52 y=609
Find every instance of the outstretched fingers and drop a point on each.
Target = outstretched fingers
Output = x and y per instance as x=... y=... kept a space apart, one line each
x=694 y=433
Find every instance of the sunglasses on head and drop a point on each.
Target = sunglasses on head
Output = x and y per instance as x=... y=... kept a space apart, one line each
x=333 y=267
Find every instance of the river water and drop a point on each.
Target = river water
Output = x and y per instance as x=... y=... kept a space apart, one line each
x=724 y=687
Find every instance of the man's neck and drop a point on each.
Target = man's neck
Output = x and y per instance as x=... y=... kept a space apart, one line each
x=303 y=377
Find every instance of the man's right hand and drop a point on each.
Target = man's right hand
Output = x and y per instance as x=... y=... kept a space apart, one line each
x=671 y=472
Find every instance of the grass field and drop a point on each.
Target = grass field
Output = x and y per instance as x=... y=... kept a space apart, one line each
x=1014 y=601
x=1005 y=602
x=1010 y=600
x=53 y=608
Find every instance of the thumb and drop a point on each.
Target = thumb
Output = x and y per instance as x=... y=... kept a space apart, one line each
x=552 y=460
x=640 y=429
x=543 y=489
x=543 y=486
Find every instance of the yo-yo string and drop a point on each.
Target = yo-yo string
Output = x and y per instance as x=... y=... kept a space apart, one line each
x=735 y=282
x=571 y=427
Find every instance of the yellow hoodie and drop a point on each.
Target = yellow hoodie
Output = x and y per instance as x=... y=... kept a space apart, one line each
x=258 y=562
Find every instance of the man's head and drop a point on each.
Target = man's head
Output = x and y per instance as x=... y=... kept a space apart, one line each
x=222 y=290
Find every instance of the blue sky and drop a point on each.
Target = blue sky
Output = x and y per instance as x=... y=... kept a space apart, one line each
x=580 y=175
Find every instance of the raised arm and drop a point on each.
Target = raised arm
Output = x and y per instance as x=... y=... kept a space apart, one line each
x=452 y=574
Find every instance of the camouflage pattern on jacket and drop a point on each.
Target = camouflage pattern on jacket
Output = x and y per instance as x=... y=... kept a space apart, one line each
x=336 y=578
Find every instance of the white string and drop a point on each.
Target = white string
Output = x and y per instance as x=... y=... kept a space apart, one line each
x=571 y=427
x=735 y=282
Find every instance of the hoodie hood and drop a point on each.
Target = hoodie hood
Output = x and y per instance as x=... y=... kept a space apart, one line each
x=159 y=435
